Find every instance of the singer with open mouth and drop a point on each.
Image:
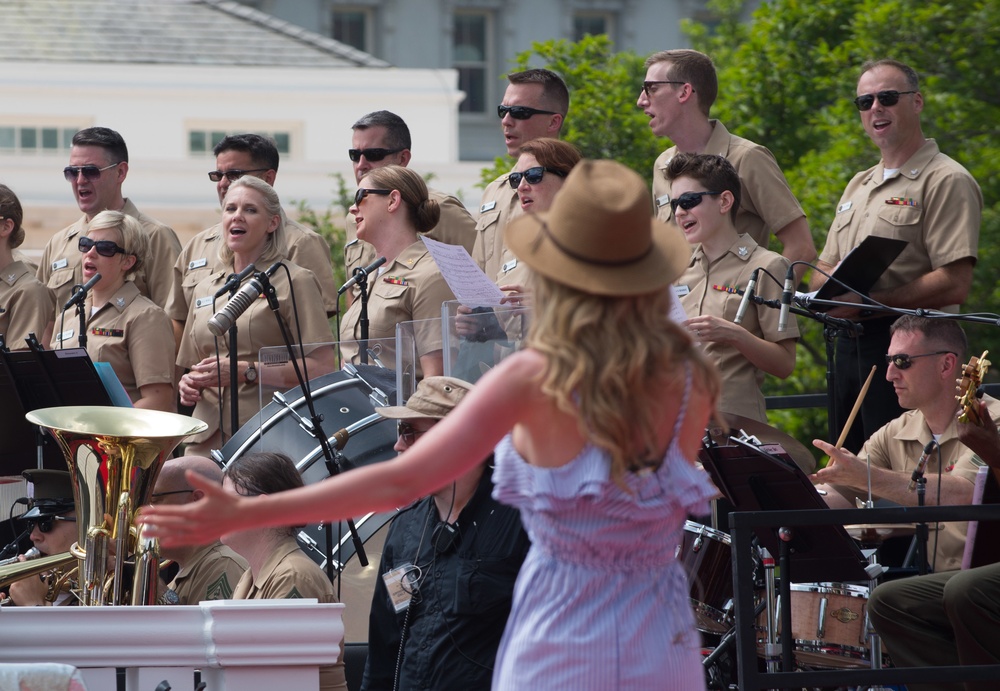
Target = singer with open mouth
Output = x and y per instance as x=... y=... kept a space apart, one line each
x=123 y=327
x=253 y=225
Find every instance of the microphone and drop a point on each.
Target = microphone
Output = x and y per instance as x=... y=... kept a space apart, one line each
x=786 y=299
x=747 y=296
x=234 y=281
x=80 y=292
x=918 y=472
x=32 y=553
x=359 y=274
x=240 y=303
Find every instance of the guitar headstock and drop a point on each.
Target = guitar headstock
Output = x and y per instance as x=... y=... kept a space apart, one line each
x=969 y=388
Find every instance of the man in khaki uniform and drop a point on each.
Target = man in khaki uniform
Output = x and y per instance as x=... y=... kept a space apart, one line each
x=207 y=572
x=237 y=155
x=98 y=165
x=534 y=105
x=677 y=94
x=380 y=139
x=926 y=357
x=917 y=194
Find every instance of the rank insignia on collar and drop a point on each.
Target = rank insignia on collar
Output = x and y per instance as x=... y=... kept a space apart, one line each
x=112 y=333
x=395 y=280
x=10 y=278
x=742 y=251
x=120 y=302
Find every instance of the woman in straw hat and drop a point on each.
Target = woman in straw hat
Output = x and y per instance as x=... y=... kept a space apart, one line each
x=595 y=424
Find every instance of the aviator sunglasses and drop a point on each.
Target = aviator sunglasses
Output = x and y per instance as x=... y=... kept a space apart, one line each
x=533 y=175
x=105 y=248
x=371 y=154
x=904 y=361
x=90 y=172
x=688 y=200
x=522 y=112
x=45 y=525
x=885 y=98
x=232 y=175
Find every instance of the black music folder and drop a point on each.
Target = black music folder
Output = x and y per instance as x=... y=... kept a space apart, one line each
x=862 y=267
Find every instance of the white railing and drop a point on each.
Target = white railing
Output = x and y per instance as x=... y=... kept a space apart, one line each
x=245 y=645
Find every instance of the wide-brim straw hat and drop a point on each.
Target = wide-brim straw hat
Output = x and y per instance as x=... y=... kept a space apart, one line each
x=600 y=236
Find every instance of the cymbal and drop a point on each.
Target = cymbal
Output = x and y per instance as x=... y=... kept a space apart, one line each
x=877 y=532
x=767 y=435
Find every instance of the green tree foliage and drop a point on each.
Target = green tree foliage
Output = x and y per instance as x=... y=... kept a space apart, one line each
x=603 y=121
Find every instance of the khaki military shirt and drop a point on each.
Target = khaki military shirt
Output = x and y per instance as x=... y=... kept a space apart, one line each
x=59 y=267
x=200 y=257
x=28 y=306
x=410 y=288
x=128 y=332
x=455 y=227
x=256 y=328
x=499 y=205
x=712 y=291
x=766 y=201
x=898 y=446
x=932 y=202
x=211 y=574
x=290 y=574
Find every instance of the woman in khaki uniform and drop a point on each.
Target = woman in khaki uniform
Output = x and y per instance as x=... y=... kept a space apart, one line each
x=254 y=233
x=392 y=209
x=26 y=303
x=124 y=328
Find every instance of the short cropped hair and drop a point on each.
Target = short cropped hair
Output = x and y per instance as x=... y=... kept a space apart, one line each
x=694 y=68
x=945 y=334
x=555 y=94
x=397 y=134
x=263 y=151
x=107 y=139
x=131 y=237
x=910 y=74
x=711 y=170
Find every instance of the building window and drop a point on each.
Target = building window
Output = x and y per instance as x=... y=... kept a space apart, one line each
x=593 y=24
x=353 y=26
x=471 y=50
x=27 y=139
x=201 y=141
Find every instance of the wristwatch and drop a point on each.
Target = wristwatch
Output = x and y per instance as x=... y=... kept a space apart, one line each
x=250 y=374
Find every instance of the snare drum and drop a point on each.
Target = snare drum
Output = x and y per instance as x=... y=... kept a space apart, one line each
x=829 y=625
x=707 y=558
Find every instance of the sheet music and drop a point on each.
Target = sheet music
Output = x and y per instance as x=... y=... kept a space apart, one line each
x=467 y=281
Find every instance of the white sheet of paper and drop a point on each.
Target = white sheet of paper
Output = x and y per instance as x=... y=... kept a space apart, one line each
x=467 y=281
x=677 y=312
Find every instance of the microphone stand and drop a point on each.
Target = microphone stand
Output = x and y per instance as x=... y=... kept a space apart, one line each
x=362 y=283
x=81 y=311
x=314 y=426
x=234 y=393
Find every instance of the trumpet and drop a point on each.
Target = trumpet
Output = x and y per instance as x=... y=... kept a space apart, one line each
x=37 y=565
x=32 y=553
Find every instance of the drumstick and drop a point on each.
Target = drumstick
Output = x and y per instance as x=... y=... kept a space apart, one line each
x=857 y=407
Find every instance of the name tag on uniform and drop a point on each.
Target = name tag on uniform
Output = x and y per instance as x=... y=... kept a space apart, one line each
x=60 y=264
x=203 y=302
x=844 y=207
x=197 y=263
x=681 y=291
x=401 y=593
x=65 y=335
x=662 y=200
x=509 y=265
x=489 y=206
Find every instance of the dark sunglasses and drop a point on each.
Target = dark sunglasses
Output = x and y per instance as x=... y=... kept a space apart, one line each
x=904 y=361
x=646 y=85
x=90 y=172
x=45 y=525
x=521 y=112
x=533 y=175
x=407 y=432
x=232 y=175
x=105 y=248
x=371 y=154
x=160 y=495
x=886 y=98
x=688 y=200
x=364 y=192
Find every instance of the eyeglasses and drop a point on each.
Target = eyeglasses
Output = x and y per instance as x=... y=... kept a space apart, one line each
x=232 y=175
x=365 y=191
x=689 y=200
x=407 y=432
x=886 y=98
x=371 y=154
x=533 y=175
x=45 y=525
x=522 y=112
x=90 y=172
x=105 y=248
x=646 y=85
x=904 y=361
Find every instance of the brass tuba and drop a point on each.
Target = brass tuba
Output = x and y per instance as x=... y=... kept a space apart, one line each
x=114 y=457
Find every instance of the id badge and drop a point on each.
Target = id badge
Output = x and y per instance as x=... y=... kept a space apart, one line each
x=399 y=593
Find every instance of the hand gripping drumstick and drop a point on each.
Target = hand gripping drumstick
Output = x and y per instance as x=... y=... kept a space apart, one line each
x=857 y=407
